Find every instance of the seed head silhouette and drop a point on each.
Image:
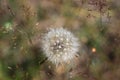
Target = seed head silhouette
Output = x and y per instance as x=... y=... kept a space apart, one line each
x=60 y=45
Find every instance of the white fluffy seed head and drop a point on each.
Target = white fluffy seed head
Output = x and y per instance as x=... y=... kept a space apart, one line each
x=60 y=45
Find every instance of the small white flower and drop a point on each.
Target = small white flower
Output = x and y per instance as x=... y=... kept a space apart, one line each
x=60 y=45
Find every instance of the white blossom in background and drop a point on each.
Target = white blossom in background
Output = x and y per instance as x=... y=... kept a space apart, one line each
x=60 y=46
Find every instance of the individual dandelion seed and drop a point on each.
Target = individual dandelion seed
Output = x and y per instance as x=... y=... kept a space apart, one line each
x=60 y=46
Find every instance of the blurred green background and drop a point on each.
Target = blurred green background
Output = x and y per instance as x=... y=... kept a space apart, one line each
x=95 y=22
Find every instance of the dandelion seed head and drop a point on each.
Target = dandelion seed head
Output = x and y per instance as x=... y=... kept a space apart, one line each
x=60 y=45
